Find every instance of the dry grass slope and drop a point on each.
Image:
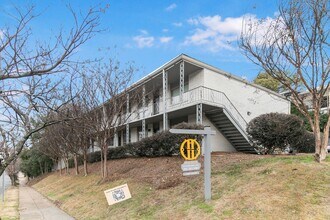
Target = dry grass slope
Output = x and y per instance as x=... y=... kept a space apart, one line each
x=243 y=187
x=9 y=210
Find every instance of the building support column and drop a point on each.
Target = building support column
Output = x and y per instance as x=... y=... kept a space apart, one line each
x=199 y=114
x=181 y=80
x=127 y=133
x=143 y=111
x=115 y=138
x=143 y=128
x=165 y=88
x=127 y=118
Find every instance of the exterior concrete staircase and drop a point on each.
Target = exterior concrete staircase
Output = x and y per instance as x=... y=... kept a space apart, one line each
x=230 y=129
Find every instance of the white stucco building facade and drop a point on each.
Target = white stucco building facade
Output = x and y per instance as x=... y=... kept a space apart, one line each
x=188 y=90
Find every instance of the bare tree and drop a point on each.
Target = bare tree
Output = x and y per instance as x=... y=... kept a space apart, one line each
x=294 y=49
x=25 y=91
x=105 y=96
x=12 y=169
x=81 y=128
x=50 y=144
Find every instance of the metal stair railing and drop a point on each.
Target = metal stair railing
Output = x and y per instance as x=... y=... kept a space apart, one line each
x=199 y=94
x=211 y=96
x=220 y=98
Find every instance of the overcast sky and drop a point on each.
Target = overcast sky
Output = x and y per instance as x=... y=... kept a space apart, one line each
x=151 y=33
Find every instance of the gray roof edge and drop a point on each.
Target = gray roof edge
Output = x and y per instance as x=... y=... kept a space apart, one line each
x=156 y=72
x=201 y=64
x=215 y=69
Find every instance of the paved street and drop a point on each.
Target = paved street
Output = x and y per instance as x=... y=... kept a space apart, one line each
x=34 y=206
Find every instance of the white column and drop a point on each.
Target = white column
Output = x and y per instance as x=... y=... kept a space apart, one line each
x=181 y=80
x=199 y=114
x=143 y=111
x=127 y=133
x=115 y=138
x=165 y=87
x=127 y=118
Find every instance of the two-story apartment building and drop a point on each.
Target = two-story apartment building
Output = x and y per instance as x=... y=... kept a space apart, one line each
x=187 y=90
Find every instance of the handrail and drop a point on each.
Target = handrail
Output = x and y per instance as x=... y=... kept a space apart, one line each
x=199 y=94
x=229 y=102
x=211 y=95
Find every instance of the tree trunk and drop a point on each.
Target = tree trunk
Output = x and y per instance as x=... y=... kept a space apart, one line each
x=75 y=159
x=85 y=163
x=324 y=150
x=60 y=164
x=100 y=144
x=66 y=162
x=12 y=179
x=318 y=139
x=45 y=168
x=40 y=167
x=102 y=163
x=105 y=170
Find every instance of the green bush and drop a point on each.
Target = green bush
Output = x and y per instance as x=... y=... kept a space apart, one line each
x=161 y=144
x=34 y=163
x=276 y=131
x=94 y=157
x=306 y=143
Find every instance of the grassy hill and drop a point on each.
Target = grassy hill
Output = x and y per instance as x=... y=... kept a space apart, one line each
x=243 y=187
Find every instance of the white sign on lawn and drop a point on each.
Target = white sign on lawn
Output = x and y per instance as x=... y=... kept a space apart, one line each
x=117 y=194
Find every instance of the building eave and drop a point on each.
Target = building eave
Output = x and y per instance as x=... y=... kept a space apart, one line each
x=201 y=64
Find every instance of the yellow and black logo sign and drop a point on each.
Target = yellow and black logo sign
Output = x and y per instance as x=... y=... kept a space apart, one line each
x=190 y=149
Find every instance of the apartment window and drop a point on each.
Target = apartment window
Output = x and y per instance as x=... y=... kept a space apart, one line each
x=155 y=127
x=119 y=139
x=124 y=138
x=156 y=104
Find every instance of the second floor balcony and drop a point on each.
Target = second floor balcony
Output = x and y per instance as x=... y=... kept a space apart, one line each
x=191 y=97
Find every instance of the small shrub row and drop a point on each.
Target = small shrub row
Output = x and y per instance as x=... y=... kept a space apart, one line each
x=160 y=144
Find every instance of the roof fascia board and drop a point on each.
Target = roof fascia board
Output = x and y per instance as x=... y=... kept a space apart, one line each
x=155 y=73
x=207 y=66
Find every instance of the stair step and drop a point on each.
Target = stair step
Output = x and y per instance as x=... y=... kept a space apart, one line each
x=233 y=132
x=243 y=146
x=216 y=119
x=239 y=143
x=236 y=138
x=229 y=130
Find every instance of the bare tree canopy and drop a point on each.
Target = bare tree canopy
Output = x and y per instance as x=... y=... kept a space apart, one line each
x=20 y=59
x=294 y=49
x=27 y=88
x=106 y=97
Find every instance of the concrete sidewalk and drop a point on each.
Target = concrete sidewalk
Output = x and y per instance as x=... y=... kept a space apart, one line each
x=34 y=206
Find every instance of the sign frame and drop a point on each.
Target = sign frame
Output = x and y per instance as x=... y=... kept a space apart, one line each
x=207 y=132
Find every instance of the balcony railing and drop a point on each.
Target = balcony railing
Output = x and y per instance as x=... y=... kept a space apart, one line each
x=198 y=95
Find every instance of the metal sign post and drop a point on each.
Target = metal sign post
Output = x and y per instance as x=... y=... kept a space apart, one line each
x=3 y=188
x=207 y=132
